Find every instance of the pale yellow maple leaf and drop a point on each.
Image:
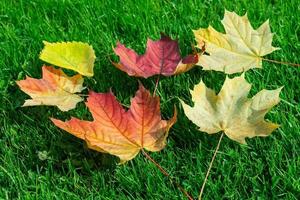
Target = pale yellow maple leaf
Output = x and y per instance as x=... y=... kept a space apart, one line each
x=77 y=56
x=239 y=50
x=54 y=89
x=231 y=111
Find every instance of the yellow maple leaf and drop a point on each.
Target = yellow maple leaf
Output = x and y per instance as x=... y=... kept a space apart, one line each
x=231 y=111
x=240 y=49
x=54 y=89
x=76 y=56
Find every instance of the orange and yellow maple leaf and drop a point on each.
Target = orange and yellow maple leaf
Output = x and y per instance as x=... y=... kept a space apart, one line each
x=54 y=89
x=119 y=132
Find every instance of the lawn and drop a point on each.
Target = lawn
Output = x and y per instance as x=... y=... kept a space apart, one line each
x=40 y=161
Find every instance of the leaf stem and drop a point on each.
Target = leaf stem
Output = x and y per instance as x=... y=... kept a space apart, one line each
x=83 y=95
x=156 y=85
x=281 y=62
x=167 y=175
x=210 y=166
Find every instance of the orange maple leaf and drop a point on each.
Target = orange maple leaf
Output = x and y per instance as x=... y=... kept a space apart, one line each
x=119 y=132
x=54 y=89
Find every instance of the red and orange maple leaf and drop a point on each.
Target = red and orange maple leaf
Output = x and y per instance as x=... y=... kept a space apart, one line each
x=119 y=132
x=161 y=57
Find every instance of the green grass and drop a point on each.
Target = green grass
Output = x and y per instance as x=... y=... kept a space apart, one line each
x=267 y=168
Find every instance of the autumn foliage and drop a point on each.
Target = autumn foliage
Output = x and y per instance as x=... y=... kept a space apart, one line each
x=239 y=50
x=231 y=111
x=161 y=57
x=120 y=132
x=54 y=89
x=125 y=132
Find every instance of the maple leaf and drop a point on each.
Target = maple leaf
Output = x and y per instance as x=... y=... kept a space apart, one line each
x=231 y=111
x=161 y=57
x=76 y=56
x=119 y=132
x=54 y=89
x=240 y=49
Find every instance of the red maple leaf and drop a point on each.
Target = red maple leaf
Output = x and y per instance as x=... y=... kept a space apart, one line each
x=161 y=57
